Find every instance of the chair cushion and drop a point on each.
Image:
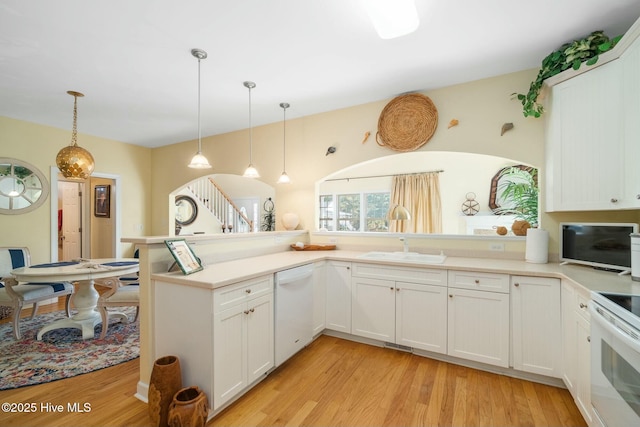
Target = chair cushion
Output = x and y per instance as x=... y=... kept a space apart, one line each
x=29 y=291
x=126 y=294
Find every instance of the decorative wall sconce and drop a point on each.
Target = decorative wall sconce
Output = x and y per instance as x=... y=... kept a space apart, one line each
x=75 y=162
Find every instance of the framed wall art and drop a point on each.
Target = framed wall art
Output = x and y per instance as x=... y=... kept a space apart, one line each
x=102 y=201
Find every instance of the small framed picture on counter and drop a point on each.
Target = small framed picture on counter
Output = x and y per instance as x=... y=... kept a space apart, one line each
x=184 y=256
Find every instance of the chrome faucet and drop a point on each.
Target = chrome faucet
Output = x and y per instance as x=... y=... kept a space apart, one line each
x=405 y=244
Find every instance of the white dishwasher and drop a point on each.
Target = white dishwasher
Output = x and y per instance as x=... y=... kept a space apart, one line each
x=293 y=311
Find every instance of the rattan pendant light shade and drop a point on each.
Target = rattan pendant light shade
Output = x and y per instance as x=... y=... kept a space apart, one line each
x=407 y=122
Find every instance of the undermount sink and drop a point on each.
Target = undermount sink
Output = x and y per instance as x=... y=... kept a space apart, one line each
x=406 y=257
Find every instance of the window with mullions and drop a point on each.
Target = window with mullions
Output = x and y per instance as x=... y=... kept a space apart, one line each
x=354 y=212
x=326 y=212
x=376 y=208
x=348 y=212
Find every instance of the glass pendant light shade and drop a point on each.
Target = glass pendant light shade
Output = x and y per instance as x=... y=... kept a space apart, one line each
x=73 y=161
x=284 y=178
x=199 y=161
x=251 y=171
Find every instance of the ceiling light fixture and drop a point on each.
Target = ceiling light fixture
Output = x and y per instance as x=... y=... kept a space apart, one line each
x=251 y=171
x=199 y=161
x=75 y=162
x=392 y=18
x=284 y=178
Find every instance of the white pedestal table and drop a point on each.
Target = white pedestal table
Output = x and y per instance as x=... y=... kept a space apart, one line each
x=85 y=298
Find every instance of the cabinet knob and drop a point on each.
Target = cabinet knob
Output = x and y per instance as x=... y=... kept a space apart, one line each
x=477 y=281
x=248 y=291
x=516 y=285
x=246 y=312
x=589 y=338
x=583 y=305
x=348 y=268
x=614 y=200
x=391 y=287
x=397 y=289
x=252 y=310
x=638 y=196
x=450 y=296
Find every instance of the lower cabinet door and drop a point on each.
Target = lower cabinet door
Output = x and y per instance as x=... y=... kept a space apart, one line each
x=478 y=326
x=260 y=352
x=421 y=316
x=229 y=354
x=373 y=308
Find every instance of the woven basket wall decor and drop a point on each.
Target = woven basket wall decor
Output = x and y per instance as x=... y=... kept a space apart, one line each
x=407 y=122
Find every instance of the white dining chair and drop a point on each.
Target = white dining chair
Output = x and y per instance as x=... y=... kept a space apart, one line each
x=18 y=295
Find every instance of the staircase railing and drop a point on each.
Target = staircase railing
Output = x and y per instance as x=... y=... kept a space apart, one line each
x=219 y=204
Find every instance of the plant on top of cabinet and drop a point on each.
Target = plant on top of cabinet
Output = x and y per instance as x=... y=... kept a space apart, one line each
x=568 y=55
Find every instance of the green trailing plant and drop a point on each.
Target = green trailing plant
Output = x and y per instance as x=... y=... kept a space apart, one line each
x=520 y=189
x=569 y=55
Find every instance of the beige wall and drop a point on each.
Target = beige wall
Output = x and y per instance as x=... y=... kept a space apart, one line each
x=150 y=175
x=39 y=145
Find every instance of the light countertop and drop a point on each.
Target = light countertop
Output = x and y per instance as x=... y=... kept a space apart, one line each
x=225 y=273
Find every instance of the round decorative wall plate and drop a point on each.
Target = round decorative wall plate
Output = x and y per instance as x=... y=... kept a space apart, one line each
x=186 y=210
x=407 y=122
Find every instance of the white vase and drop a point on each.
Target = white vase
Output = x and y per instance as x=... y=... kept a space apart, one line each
x=290 y=221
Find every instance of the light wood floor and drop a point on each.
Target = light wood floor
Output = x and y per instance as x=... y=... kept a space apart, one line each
x=333 y=382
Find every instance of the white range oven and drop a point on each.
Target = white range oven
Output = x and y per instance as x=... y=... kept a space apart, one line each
x=615 y=358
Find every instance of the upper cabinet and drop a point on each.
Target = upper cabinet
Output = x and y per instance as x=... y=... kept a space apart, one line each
x=593 y=135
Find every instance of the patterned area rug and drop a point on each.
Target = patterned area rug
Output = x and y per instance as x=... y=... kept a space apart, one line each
x=62 y=353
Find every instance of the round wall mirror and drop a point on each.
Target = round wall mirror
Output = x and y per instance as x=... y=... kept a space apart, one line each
x=186 y=210
x=22 y=187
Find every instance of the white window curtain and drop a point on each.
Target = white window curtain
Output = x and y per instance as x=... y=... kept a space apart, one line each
x=420 y=195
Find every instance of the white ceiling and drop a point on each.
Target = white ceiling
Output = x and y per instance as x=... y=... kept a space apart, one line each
x=132 y=58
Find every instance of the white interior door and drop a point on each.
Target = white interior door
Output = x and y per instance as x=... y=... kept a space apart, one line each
x=71 y=234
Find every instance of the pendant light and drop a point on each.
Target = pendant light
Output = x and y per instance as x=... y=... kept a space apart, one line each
x=284 y=178
x=199 y=161
x=75 y=162
x=251 y=171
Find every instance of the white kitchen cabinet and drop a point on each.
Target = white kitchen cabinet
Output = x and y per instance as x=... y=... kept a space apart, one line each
x=631 y=130
x=576 y=352
x=421 y=316
x=373 y=308
x=242 y=337
x=478 y=320
x=338 y=304
x=319 y=296
x=535 y=316
x=386 y=306
x=584 y=141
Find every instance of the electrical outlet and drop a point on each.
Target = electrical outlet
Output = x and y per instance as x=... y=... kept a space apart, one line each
x=333 y=240
x=496 y=247
x=278 y=239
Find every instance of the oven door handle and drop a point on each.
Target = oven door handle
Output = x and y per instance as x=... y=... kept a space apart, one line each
x=619 y=333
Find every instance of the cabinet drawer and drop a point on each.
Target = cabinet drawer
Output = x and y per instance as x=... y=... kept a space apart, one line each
x=426 y=276
x=493 y=282
x=582 y=305
x=229 y=296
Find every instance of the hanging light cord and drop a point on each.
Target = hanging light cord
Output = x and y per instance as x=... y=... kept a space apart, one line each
x=74 y=129
x=199 y=130
x=284 y=136
x=250 y=131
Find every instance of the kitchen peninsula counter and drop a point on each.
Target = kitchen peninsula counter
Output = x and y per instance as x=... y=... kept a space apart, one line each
x=221 y=274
